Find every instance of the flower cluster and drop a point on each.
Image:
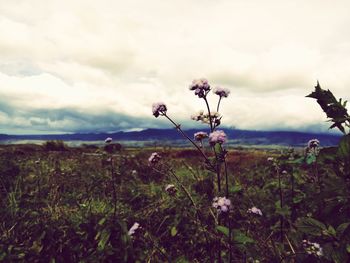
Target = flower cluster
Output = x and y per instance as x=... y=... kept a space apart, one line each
x=158 y=108
x=199 y=136
x=201 y=87
x=154 y=158
x=313 y=147
x=222 y=204
x=312 y=248
x=314 y=143
x=204 y=118
x=222 y=92
x=171 y=189
x=254 y=210
x=134 y=227
x=108 y=140
x=218 y=136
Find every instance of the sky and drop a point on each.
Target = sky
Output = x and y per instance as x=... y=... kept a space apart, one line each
x=97 y=66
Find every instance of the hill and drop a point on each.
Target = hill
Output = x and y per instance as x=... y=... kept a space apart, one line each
x=242 y=137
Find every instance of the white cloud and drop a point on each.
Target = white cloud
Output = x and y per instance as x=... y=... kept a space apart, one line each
x=121 y=56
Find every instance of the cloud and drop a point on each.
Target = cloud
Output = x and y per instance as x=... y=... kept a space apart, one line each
x=68 y=120
x=101 y=58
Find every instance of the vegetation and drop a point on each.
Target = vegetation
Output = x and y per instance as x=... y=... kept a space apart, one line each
x=207 y=204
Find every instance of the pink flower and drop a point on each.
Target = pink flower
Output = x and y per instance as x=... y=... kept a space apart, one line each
x=154 y=158
x=222 y=204
x=222 y=92
x=200 y=87
x=218 y=136
x=158 y=108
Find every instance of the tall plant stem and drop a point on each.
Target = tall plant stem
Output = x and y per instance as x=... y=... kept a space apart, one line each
x=218 y=169
x=226 y=174
x=281 y=203
x=199 y=215
x=293 y=206
x=114 y=188
x=229 y=241
x=210 y=119
x=177 y=126
x=218 y=106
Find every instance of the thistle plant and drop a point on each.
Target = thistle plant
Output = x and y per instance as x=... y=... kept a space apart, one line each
x=216 y=140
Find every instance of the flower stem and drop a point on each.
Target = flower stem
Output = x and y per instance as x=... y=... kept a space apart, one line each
x=281 y=203
x=210 y=120
x=218 y=106
x=114 y=188
x=293 y=206
x=177 y=126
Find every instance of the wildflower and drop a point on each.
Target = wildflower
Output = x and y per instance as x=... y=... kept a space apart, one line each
x=154 y=158
x=198 y=136
x=314 y=143
x=254 y=210
x=108 y=140
x=313 y=147
x=198 y=116
x=222 y=204
x=218 y=136
x=134 y=172
x=158 y=108
x=200 y=87
x=284 y=172
x=171 y=189
x=312 y=248
x=134 y=227
x=222 y=92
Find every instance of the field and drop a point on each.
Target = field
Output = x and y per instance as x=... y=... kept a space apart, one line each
x=213 y=202
x=65 y=204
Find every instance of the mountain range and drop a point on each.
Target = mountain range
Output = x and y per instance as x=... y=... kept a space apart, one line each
x=235 y=136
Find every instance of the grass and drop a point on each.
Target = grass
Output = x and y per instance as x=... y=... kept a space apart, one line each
x=57 y=206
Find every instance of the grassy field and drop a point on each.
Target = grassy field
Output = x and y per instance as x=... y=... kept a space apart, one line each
x=62 y=204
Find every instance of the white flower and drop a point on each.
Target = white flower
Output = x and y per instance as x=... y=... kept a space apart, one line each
x=154 y=158
x=108 y=140
x=171 y=189
x=254 y=210
x=312 y=248
x=222 y=204
x=134 y=227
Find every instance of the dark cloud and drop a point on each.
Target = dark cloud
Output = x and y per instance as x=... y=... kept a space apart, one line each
x=69 y=120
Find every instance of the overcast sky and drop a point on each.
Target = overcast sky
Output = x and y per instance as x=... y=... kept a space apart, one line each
x=98 y=65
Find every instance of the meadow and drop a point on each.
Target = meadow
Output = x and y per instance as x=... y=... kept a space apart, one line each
x=207 y=203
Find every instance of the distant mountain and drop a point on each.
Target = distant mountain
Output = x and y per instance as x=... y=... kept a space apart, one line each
x=241 y=137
